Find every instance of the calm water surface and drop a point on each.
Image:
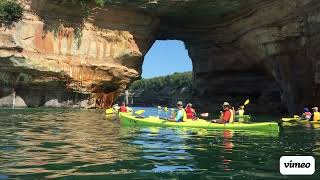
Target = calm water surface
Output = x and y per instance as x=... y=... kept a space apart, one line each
x=84 y=144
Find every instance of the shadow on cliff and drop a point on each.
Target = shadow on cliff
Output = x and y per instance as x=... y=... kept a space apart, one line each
x=58 y=15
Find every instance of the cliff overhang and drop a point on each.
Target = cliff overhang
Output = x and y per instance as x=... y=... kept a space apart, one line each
x=258 y=49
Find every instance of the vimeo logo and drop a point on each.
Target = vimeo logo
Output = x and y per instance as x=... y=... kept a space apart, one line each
x=297 y=165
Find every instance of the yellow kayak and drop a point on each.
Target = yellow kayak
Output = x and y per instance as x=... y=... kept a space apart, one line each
x=131 y=120
x=290 y=119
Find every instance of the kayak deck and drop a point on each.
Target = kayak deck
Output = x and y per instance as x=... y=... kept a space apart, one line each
x=242 y=116
x=131 y=120
x=290 y=119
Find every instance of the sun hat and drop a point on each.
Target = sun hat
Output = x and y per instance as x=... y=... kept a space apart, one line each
x=315 y=108
x=226 y=104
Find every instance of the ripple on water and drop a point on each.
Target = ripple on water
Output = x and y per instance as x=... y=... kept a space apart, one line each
x=71 y=144
x=161 y=169
x=3 y=177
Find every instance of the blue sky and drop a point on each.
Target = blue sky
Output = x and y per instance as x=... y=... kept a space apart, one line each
x=166 y=57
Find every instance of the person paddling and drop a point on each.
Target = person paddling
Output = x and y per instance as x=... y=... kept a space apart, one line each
x=180 y=114
x=316 y=115
x=116 y=108
x=306 y=114
x=225 y=115
x=240 y=111
x=123 y=108
x=191 y=113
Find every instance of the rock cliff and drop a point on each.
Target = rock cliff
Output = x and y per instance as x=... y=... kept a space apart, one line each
x=266 y=50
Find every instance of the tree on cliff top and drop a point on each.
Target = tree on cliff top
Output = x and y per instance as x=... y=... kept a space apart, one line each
x=10 y=11
x=175 y=81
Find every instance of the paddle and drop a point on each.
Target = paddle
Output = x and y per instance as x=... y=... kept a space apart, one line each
x=109 y=111
x=246 y=102
x=139 y=112
x=204 y=114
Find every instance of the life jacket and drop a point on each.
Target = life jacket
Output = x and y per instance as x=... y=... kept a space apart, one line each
x=184 y=115
x=184 y=118
x=241 y=112
x=123 y=109
x=189 y=113
x=226 y=116
x=308 y=115
x=316 y=116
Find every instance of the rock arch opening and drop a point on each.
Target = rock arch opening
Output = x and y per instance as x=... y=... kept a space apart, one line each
x=166 y=57
x=166 y=76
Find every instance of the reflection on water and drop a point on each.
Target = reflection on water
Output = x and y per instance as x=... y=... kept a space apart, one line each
x=73 y=144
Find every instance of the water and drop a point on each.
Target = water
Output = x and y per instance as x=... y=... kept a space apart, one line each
x=83 y=144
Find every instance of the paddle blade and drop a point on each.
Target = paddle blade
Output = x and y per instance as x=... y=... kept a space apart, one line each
x=204 y=114
x=246 y=102
x=139 y=112
x=109 y=111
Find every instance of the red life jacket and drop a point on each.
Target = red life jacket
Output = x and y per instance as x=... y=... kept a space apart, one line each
x=226 y=116
x=189 y=113
x=123 y=109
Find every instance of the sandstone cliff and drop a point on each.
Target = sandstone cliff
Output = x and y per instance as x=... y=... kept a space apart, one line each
x=260 y=49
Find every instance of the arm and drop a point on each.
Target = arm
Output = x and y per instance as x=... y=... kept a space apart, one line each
x=221 y=115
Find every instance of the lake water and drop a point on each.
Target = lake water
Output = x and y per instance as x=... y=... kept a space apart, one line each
x=84 y=144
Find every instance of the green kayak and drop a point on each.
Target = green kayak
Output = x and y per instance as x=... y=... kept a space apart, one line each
x=242 y=117
x=131 y=120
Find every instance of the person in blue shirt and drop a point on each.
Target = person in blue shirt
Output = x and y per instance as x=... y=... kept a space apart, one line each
x=179 y=114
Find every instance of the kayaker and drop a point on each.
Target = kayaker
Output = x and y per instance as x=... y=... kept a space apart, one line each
x=240 y=111
x=123 y=108
x=180 y=114
x=225 y=115
x=190 y=112
x=306 y=114
x=116 y=108
x=316 y=115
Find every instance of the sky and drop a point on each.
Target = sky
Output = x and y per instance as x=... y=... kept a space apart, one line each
x=166 y=57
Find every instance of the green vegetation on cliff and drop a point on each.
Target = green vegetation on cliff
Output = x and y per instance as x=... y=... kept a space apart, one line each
x=175 y=81
x=10 y=11
x=85 y=2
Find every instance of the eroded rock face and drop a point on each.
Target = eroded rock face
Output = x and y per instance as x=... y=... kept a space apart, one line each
x=265 y=50
x=53 y=58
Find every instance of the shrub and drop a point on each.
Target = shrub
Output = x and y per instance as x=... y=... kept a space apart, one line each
x=10 y=11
